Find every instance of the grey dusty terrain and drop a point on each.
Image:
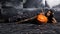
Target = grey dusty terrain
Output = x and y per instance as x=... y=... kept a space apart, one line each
x=13 y=28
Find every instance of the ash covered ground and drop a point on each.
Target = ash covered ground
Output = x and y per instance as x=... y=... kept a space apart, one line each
x=13 y=28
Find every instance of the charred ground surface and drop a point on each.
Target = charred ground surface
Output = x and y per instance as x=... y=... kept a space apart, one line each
x=13 y=28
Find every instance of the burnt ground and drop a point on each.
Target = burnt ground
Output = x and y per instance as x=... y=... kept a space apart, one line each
x=14 y=28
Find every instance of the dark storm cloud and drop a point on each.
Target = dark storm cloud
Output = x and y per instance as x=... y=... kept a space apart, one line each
x=33 y=4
